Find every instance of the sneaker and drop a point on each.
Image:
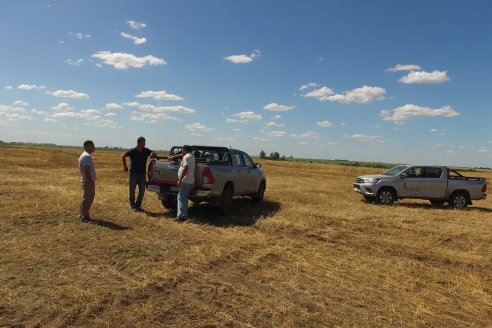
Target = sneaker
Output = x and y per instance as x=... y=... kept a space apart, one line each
x=137 y=209
x=85 y=219
x=181 y=218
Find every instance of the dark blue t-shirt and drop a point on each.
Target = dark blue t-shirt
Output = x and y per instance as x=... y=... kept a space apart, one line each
x=139 y=159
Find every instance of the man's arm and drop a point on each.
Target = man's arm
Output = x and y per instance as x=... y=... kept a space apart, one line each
x=88 y=176
x=183 y=175
x=123 y=159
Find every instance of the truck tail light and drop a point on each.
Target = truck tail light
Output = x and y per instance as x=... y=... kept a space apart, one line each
x=150 y=171
x=207 y=176
x=484 y=189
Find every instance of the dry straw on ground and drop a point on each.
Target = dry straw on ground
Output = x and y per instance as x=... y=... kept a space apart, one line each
x=312 y=255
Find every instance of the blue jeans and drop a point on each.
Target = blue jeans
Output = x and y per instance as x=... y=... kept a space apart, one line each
x=137 y=179
x=184 y=191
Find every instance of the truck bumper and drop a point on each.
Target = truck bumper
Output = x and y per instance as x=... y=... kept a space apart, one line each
x=364 y=189
x=174 y=190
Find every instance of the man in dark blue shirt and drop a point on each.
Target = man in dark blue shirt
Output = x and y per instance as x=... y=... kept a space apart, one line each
x=138 y=157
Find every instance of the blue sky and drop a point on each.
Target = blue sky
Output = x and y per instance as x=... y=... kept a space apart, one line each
x=393 y=81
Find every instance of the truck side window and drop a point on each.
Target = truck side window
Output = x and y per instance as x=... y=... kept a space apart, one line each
x=237 y=160
x=433 y=172
x=247 y=160
x=415 y=172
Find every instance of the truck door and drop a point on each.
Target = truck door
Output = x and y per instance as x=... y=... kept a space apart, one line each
x=412 y=184
x=239 y=174
x=436 y=182
x=254 y=174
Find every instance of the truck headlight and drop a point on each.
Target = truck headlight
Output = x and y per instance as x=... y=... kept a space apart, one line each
x=372 y=180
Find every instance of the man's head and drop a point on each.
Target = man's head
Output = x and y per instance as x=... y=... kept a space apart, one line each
x=141 y=142
x=186 y=149
x=89 y=146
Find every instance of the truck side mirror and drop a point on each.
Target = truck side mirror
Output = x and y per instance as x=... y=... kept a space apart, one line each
x=257 y=165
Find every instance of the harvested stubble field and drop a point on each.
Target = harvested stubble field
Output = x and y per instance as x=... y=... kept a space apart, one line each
x=312 y=255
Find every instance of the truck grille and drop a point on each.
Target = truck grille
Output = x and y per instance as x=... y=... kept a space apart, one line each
x=359 y=180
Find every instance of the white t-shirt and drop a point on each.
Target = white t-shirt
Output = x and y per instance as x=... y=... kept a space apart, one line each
x=86 y=160
x=188 y=160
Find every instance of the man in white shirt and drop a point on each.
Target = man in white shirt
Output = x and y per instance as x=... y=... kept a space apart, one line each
x=186 y=181
x=88 y=180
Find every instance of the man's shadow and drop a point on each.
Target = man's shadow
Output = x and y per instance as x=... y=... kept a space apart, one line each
x=107 y=224
x=243 y=212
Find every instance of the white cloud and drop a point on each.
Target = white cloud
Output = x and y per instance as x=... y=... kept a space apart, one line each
x=30 y=87
x=111 y=115
x=274 y=125
x=276 y=134
x=49 y=119
x=361 y=95
x=79 y=35
x=197 y=127
x=243 y=59
x=425 y=77
x=400 y=67
x=407 y=111
x=120 y=60
x=152 y=117
x=274 y=107
x=367 y=138
x=162 y=109
x=136 y=40
x=13 y=114
x=21 y=103
x=106 y=124
x=244 y=117
x=111 y=106
x=75 y=62
x=83 y=115
x=439 y=131
x=324 y=124
x=62 y=107
x=343 y=125
x=307 y=86
x=159 y=95
x=69 y=94
x=305 y=135
x=8 y=87
x=278 y=117
x=320 y=93
x=483 y=150
x=136 y=25
x=38 y=112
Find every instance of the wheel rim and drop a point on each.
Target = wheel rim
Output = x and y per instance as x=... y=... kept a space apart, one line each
x=386 y=197
x=459 y=202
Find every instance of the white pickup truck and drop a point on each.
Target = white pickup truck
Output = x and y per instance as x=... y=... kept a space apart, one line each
x=438 y=184
x=220 y=174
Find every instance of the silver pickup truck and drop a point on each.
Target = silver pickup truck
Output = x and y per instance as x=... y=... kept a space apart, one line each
x=438 y=184
x=220 y=174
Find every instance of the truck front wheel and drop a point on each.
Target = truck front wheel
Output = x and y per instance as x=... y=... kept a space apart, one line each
x=260 y=194
x=386 y=196
x=458 y=200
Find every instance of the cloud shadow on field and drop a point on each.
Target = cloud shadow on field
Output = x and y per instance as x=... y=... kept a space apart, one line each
x=108 y=225
x=243 y=213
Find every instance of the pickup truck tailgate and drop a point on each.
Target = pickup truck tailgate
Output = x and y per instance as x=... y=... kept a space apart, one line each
x=164 y=171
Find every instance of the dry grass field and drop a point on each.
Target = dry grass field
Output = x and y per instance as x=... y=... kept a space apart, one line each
x=312 y=255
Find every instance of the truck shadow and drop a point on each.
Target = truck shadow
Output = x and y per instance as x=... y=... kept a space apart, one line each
x=107 y=224
x=444 y=207
x=243 y=213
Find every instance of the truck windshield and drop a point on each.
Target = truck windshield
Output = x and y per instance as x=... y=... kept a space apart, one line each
x=395 y=170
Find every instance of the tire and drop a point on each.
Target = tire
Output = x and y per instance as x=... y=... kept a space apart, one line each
x=436 y=203
x=386 y=196
x=458 y=200
x=226 y=199
x=260 y=194
x=170 y=203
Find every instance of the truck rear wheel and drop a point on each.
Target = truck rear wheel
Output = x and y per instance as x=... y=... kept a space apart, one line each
x=170 y=202
x=458 y=200
x=260 y=194
x=226 y=199
x=386 y=196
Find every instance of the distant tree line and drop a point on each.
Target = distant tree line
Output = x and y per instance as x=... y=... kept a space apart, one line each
x=273 y=156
